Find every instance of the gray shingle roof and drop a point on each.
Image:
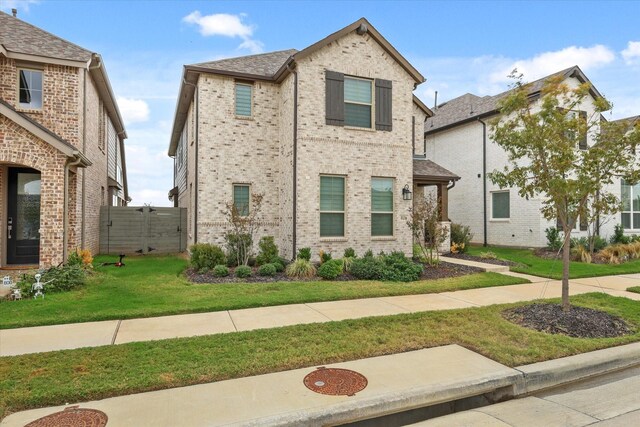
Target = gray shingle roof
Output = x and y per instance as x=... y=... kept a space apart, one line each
x=631 y=119
x=263 y=64
x=470 y=106
x=428 y=169
x=20 y=37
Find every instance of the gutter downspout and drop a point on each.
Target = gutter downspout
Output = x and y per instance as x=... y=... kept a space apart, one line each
x=65 y=235
x=84 y=144
x=484 y=181
x=195 y=196
x=294 y=235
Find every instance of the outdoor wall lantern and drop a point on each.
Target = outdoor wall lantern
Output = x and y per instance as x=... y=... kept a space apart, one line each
x=406 y=193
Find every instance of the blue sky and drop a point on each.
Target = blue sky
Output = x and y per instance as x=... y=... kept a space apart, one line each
x=458 y=46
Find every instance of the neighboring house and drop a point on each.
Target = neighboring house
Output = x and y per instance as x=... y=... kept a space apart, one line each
x=327 y=134
x=61 y=146
x=459 y=136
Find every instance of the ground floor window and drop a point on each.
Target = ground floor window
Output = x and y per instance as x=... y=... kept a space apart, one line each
x=332 y=206
x=382 y=206
x=500 y=208
x=630 y=196
x=241 y=199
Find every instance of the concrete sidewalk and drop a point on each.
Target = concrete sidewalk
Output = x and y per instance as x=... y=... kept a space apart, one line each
x=58 y=337
x=451 y=377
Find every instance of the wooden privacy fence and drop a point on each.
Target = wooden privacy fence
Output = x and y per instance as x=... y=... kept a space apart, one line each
x=142 y=230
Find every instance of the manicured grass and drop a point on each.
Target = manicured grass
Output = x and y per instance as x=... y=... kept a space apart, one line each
x=531 y=264
x=154 y=286
x=635 y=289
x=55 y=378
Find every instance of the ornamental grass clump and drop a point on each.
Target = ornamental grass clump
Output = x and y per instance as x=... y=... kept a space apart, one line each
x=301 y=269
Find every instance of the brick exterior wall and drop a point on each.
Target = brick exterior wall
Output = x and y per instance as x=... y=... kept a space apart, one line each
x=259 y=151
x=459 y=149
x=65 y=113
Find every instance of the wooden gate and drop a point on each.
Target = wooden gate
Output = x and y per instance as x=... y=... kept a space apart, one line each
x=142 y=230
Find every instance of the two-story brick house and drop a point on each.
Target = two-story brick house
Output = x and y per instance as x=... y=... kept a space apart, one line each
x=61 y=146
x=459 y=135
x=327 y=134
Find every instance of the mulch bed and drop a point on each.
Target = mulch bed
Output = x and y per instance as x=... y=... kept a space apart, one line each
x=443 y=271
x=578 y=322
x=480 y=259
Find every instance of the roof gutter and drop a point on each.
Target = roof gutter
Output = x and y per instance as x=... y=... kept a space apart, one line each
x=294 y=235
x=195 y=196
x=484 y=181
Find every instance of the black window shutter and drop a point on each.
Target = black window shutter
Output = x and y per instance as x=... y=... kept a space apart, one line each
x=584 y=225
x=334 y=98
x=583 y=140
x=383 y=104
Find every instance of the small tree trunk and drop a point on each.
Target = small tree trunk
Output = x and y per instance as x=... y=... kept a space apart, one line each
x=566 y=258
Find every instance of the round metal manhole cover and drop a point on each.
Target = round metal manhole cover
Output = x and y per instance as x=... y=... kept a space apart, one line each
x=72 y=417
x=335 y=381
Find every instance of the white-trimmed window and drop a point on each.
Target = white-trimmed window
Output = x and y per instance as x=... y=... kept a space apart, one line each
x=244 y=97
x=30 y=89
x=332 y=206
x=241 y=198
x=500 y=206
x=358 y=101
x=381 y=207
x=630 y=196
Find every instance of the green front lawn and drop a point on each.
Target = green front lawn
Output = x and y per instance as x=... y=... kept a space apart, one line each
x=56 y=378
x=154 y=286
x=534 y=265
x=635 y=289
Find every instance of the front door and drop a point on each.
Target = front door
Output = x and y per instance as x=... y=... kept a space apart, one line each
x=23 y=218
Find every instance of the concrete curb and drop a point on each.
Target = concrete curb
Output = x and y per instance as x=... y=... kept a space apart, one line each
x=554 y=373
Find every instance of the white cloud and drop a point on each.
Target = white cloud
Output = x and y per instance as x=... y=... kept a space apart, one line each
x=7 y=5
x=227 y=25
x=133 y=110
x=632 y=53
x=549 y=62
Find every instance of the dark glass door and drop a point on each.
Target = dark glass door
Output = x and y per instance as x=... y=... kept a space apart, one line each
x=23 y=219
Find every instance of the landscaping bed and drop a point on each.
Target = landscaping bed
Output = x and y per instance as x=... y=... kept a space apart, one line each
x=476 y=258
x=55 y=378
x=442 y=271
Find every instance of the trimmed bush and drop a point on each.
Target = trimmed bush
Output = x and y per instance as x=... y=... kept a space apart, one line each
x=220 y=270
x=349 y=253
x=267 y=270
x=330 y=269
x=243 y=271
x=304 y=253
x=61 y=279
x=268 y=251
x=301 y=269
x=205 y=255
x=618 y=235
x=461 y=236
x=399 y=268
x=237 y=246
x=368 y=268
x=280 y=266
x=324 y=256
x=553 y=238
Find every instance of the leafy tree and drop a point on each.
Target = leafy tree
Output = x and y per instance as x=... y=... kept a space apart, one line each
x=241 y=229
x=426 y=227
x=542 y=140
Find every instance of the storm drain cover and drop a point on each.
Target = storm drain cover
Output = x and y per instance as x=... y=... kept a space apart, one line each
x=335 y=381
x=72 y=417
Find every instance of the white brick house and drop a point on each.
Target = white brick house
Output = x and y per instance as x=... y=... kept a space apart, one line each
x=327 y=134
x=459 y=136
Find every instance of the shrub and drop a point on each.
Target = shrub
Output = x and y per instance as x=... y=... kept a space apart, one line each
x=220 y=270
x=205 y=255
x=57 y=279
x=457 y=248
x=304 y=253
x=301 y=268
x=331 y=269
x=324 y=256
x=581 y=253
x=349 y=253
x=280 y=264
x=74 y=259
x=368 y=254
x=368 y=268
x=268 y=251
x=243 y=271
x=599 y=243
x=267 y=270
x=418 y=255
x=553 y=239
x=399 y=268
x=488 y=255
x=461 y=236
x=618 y=235
x=237 y=247
x=346 y=263
x=609 y=255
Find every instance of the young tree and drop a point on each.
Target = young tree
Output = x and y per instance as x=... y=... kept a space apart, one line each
x=242 y=227
x=545 y=143
x=426 y=228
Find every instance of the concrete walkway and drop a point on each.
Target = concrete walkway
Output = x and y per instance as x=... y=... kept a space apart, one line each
x=59 y=337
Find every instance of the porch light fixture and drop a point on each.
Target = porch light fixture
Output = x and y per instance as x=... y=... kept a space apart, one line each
x=406 y=193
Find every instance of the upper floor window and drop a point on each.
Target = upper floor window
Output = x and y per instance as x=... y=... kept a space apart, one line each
x=357 y=102
x=30 y=89
x=243 y=99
